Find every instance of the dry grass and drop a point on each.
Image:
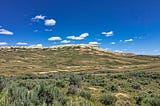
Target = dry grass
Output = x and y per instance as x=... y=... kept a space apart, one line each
x=15 y=61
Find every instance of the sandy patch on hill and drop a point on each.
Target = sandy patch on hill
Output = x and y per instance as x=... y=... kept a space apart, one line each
x=121 y=94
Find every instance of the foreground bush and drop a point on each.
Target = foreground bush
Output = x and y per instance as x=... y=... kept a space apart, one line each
x=72 y=89
x=108 y=99
x=35 y=93
x=145 y=99
x=85 y=94
x=75 y=80
x=2 y=83
x=82 y=89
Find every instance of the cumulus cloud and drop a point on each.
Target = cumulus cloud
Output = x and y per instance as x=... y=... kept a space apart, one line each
x=3 y=43
x=65 y=41
x=74 y=37
x=108 y=34
x=94 y=43
x=81 y=37
x=22 y=43
x=37 y=45
x=84 y=35
x=128 y=40
x=5 y=32
x=38 y=17
x=113 y=43
x=119 y=51
x=54 y=38
x=50 y=22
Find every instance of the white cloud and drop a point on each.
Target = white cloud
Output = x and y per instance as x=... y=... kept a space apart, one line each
x=48 y=30
x=128 y=40
x=54 y=38
x=84 y=35
x=37 y=45
x=118 y=51
x=81 y=37
x=65 y=41
x=50 y=22
x=113 y=43
x=94 y=43
x=22 y=43
x=5 y=32
x=3 y=43
x=108 y=34
x=74 y=37
x=38 y=17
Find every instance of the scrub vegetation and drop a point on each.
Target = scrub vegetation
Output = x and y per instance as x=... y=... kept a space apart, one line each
x=77 y=76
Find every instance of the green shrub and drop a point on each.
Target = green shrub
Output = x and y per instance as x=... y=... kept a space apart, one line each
x=123 y=103
x=119 y=76
x=108 y=99
x=140 y=97
x=85 y=94
x=136 y=86
x=72 y=89
x=60 y=83
x=97 y=81
x=28 y=84
x=2 y=83
x=18 y=95
x=151 y=101
x=46 y=96
x=111 y=87
x=144 y=81
x=75 y=80
x=145 y=99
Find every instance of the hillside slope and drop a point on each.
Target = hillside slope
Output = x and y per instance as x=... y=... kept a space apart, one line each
x=23 y=60
x=77 y=75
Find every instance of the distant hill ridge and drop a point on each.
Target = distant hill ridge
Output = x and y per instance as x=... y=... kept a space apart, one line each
x=70 y=57
x=73 y=46
x=57 y=46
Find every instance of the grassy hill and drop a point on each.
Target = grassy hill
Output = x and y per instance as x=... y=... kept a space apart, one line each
x=77 y=75
x=23 y=60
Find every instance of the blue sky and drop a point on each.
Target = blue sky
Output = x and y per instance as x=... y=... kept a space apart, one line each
x=118 y=25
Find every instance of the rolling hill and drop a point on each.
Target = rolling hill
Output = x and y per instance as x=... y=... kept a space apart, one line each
x=77 y=75
x=80 y=57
